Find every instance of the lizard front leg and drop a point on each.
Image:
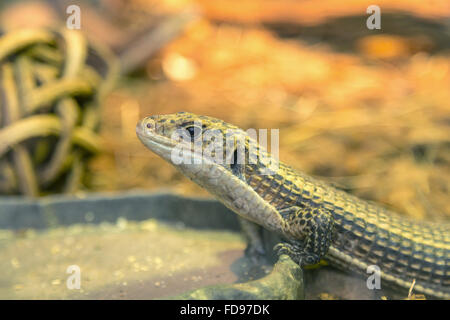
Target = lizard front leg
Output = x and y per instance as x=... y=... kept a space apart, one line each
x=310 y=231
x=255 y=246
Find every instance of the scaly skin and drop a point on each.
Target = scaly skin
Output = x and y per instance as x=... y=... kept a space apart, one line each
x=316 y=220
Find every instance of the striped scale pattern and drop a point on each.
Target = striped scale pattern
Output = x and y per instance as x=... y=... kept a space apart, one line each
x=366 y=234
x=363 y=233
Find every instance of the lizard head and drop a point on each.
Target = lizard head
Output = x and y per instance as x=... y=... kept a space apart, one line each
x=196 y=143
x=216 y=155
x=186 y=140
x=203 y=148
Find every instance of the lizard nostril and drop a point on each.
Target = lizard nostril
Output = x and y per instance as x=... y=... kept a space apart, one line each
x=150 y=124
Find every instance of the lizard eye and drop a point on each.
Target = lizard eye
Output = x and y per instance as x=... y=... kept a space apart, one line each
x=194 y=132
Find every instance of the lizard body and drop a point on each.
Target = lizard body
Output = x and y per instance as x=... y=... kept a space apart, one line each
x=315 y=220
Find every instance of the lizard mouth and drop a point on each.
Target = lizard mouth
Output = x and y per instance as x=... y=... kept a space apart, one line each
x=160 y=144
x=145 y=130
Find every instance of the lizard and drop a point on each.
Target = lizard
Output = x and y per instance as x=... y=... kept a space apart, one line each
x=315 y=220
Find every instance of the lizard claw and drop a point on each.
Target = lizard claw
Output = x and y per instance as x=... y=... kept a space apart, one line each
x=283 y=248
